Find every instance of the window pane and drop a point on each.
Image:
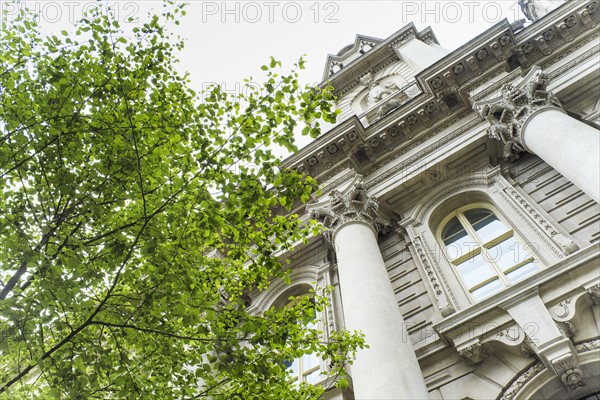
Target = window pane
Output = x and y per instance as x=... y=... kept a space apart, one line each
x=487 y=290
x=475 y=270
x=522 y=272
x=309 y=361
x=456 y=239
x=485 y=223
x=508 y=253
x=452 y=228
x=293 y=366
x=475 y=215
x=313 y=377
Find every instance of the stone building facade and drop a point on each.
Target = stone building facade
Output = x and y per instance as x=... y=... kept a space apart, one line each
x=460 y=196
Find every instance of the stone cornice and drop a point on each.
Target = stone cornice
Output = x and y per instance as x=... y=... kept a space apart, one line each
x=380 y=55
x=352 y=146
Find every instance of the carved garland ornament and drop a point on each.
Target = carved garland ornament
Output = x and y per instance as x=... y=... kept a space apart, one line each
x=444 y=306
x=508 y=113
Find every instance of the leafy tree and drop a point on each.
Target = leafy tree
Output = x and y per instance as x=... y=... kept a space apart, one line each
x=134 y=218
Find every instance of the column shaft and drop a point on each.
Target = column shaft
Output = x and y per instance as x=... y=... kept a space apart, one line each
x=569 y=146
x=388 y=369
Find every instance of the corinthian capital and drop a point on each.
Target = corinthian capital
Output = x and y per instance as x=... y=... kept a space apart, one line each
x=508 y=113
x=351 y=204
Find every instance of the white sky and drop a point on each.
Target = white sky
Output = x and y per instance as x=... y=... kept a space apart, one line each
x=228 y=41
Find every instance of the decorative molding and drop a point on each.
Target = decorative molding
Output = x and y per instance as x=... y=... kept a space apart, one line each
x=572 y=373
x=546 y=30
x=509 y=113
x=512 y=336
x=594 y=292
x=590 y=345
x=522 y=380
x=558 y=16
x=536 y=9
x=409 y=162
x=329 y=320
x=567 y=368
x=561 y=244
x=576 y=61
x=563 y=309
x=440 y=296
x=473 y=353
x=477 y=180
x=307 y=275
x=528 y=216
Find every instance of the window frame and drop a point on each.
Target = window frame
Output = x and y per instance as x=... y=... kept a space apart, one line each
x=483 y=248
x=302 y=373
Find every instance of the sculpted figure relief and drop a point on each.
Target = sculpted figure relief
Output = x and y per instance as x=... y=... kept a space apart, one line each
x=536 y=9
x=379 y=92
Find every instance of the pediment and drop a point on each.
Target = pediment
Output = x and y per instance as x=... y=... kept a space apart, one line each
x=362 y=44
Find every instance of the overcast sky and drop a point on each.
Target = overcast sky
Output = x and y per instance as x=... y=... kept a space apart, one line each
x=228 y=41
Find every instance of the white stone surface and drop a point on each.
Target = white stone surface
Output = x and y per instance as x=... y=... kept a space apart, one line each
x=420 y=55
x=569 y=146
x=388 y=369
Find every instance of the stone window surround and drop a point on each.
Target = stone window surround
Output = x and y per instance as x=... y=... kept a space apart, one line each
x=301 y=280
x=513 y=234
x=487 y=185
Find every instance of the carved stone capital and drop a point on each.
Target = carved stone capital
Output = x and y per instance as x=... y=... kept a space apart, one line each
x=353 y=204
x=594 y=292
x=473 y=353
x=509 y=113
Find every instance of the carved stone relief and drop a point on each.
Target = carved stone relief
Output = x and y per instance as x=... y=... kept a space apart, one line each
x=421 y=257
x=473 y=352
x=508 y=114
x=558 y=242
x=352 y=205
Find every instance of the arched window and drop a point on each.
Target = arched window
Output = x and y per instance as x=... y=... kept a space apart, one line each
x=308 y=367
x=484 y=250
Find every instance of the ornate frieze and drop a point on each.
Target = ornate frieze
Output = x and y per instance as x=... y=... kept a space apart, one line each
x=508 y=113
x=354 y=204
x=524 y=378
x=559 y=243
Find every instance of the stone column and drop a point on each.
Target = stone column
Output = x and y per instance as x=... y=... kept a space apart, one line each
x=388 y=369
x=527 y=117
